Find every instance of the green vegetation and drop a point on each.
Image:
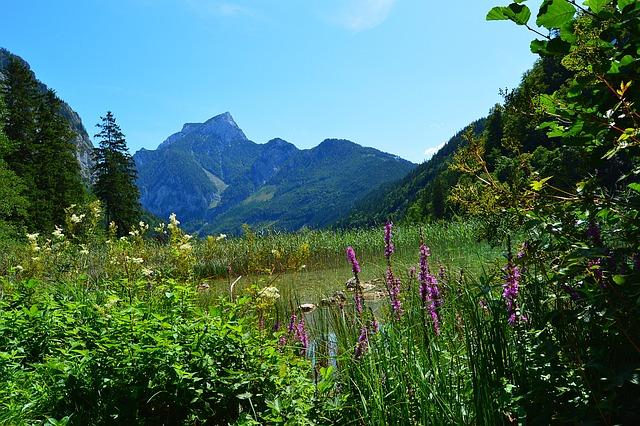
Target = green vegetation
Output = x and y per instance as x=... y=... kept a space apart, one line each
x=115 y=177
x=101 y=328
x=38 y=166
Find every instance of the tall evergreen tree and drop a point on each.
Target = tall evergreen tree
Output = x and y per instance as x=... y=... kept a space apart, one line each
x=115 y=176
x=58 y=179
x=42 y=154
x=14 y=204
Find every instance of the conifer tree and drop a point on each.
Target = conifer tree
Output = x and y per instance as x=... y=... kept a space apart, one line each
x=58 y=179
x=42 y=154
x=115 y=176
x=13 y=205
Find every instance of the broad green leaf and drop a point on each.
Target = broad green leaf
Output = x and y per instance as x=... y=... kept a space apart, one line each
x=515 y=12
x=497 y=14
x=539 y=46
x=618 y=279
x=555 y=13
x=596 y=5
x=634 y=186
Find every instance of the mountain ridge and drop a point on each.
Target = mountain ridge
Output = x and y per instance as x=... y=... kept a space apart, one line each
x=215 y=179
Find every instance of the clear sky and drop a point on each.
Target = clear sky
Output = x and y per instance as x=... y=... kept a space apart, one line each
x=398 y=75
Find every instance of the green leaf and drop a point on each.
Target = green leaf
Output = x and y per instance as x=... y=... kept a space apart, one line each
x=555 y=13
x=539 y=46
x=497 y=14
x=537 y=185
x=515 y=12
x=634 y=186
x=596 y=5
x=618 y=279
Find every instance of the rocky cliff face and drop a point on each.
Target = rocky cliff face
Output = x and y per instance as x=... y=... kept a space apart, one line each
x=215 y=179
x=84 y=146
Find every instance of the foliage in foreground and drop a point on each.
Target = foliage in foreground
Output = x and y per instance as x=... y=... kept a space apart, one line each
x=128 y=353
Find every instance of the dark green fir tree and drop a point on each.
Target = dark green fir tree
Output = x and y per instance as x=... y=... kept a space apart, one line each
x=115 y=176
x=13 y=208
x=42 y=154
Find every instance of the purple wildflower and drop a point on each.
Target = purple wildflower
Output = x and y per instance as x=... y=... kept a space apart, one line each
x=362 y=344
x=441 y=273
x=510 y=291
x=429 y=290
x=393 y=287
x=302 y=335
x=424 y=271
x=389 y=248
x=276 y=326
x=292 y=323
x=351 y=257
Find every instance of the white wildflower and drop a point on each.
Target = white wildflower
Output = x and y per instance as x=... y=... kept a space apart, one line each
x=221 y=237
x=270 y=293
x=18 y=268
x=33 y=237
x=77 y=219
x=147 y=272
x=58 y=233
x=174 y=221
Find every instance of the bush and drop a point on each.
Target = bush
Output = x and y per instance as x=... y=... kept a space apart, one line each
x=135 y=357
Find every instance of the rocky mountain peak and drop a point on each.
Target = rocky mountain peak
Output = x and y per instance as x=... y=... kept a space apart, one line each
x=222 y=127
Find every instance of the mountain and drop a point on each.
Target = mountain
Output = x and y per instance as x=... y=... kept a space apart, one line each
x=215 y=179
x=82 y=142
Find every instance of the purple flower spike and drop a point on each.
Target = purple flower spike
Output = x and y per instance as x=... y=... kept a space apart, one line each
x=429 y=290
x=389 y=248
x=362 y=344
x=393 y=287
x=351 y=257
x=510 y=291
x=292 y=323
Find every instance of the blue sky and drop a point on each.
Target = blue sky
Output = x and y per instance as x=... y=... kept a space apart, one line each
x=398 y=75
